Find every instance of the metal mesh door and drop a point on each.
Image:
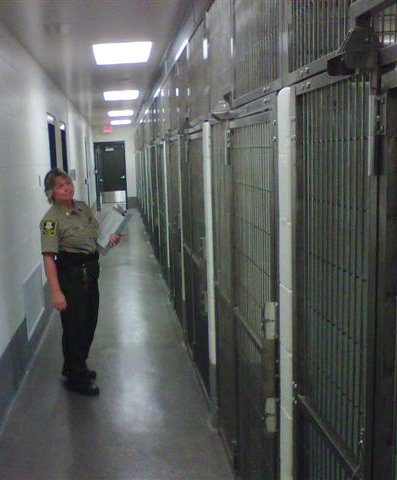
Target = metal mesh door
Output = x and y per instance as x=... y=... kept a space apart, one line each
x=174 y=227
x=173 y=105
x=154 y=199
x=142 y=180
x=226 y=336
x=139 y=137
x=162 y=211
x=317 y=28
x=332 y=277
x=253 y=224
x=195 y=162
x=198 y=92
x=222 y=188
x=187 y=247
x=388 y=320
x=256 y=44
x=173 y=211
x=147 y=189
x=144 y=187
x=147 y=128
x=220 y=62
x=385 y=25
x=187 y=217
x=144 y=184
x=164 y=108
x=138 y=179
x=154 y=116
x=181 y=91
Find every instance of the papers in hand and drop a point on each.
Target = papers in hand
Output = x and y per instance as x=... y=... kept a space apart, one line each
x=114 y=221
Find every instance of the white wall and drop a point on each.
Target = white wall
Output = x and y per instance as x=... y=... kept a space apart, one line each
x=26 y=95
x=79 y=138
x=122 y=134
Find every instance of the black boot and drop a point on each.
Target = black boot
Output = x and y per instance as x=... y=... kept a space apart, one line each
x=91 y=374
x=84 y=387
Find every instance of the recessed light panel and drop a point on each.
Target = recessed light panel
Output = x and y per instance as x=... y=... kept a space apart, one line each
x=121 y=95
x=118 y=53
x=121 y=113
x=120 y=122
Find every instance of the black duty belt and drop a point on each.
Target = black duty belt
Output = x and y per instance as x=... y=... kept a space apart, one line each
x=68 y=259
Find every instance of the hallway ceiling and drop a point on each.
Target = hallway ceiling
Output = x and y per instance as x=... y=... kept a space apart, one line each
x=59 y=35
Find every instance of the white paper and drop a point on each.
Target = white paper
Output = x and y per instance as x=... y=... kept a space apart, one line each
x=114 y=221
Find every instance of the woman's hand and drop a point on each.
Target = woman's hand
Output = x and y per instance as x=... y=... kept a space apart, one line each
x=59 y=301
x=57 y=297
x=115 y=238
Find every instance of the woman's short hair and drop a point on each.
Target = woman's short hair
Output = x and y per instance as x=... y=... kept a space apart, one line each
x=49 y=181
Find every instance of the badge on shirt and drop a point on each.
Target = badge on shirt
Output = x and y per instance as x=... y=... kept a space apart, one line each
x=49 y=228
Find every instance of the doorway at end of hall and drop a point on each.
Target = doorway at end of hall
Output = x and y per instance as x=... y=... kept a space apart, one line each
x=110 y=169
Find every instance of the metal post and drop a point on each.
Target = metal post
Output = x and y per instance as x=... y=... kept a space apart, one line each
x=146 y=162
x=166 y=204
x=210 y=270
x=156 y=155
x=181 y=219
x=286 y=135
x=150 y=178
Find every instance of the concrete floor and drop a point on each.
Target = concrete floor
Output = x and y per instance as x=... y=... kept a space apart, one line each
x=150 y=421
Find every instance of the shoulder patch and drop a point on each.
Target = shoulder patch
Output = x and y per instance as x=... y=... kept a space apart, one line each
x=49 y=228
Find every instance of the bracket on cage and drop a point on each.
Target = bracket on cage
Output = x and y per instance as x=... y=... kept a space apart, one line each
x=359 y=51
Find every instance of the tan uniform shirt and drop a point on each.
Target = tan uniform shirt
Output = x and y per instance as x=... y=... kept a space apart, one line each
x=75 y=232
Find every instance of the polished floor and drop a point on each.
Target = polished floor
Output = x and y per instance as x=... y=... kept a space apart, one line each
x=150 y=421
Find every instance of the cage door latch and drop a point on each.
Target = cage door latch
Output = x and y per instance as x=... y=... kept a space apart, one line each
x=269 y=318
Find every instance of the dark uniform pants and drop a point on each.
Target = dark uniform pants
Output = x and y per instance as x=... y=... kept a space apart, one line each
x=78 y=277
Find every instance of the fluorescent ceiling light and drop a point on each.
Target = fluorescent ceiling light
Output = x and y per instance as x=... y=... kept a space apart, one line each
x=121 y=95
x=121 y=113
x=182 y=47
x=205 y=48
x=120 y=122
x=117 y=53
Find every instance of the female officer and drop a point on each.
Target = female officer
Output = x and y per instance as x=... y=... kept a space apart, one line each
x=70 y=252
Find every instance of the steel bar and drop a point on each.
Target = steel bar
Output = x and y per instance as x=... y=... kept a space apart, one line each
x=332 y=440
x=364 y=7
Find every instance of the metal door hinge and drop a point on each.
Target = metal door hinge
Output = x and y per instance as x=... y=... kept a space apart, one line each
x=204 y=301
x=295 y=390
x=268 y=322
x=381 y=118
x=228 y=144
x=270 y=416
x=177 y=221
x=203 y=248
x=358 y=473
x=376 y=129
x=234 y=451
